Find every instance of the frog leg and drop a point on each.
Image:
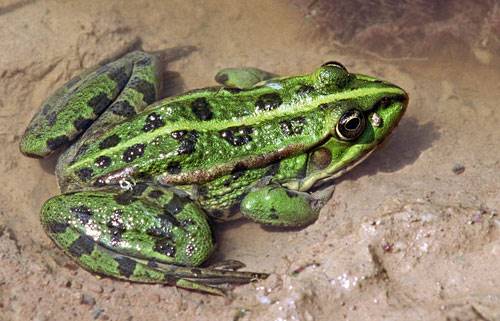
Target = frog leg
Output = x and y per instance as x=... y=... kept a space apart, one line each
x=148 y=234
x=242 y=78
x=109 y=94
x=279 y=206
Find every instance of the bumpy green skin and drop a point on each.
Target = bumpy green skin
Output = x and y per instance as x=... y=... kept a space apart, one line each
x=140 y=178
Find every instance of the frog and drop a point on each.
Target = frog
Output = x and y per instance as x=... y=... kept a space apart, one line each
x=143 y=179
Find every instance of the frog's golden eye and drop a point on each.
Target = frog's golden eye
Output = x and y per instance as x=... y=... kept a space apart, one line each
x=334 y=64
x=351 y=125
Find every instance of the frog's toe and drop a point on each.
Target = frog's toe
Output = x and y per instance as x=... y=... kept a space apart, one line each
x=242 y=77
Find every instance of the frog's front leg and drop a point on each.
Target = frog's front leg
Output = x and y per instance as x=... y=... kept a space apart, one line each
x=279 y=206
x=243 y=78
x=147 y=234
x=101 y=97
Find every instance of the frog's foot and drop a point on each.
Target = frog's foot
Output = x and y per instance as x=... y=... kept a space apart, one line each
x=147 y=234
x=278 y=206
x=242 y=78
x=103 y=96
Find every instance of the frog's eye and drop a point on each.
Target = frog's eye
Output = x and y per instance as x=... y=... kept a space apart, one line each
x=351 y=125
x=334 y=64
x=331 y=76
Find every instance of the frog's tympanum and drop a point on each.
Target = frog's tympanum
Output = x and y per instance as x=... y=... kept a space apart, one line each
x=139 y=177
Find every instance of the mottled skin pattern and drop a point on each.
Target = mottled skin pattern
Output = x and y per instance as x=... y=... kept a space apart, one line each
x=139 y=177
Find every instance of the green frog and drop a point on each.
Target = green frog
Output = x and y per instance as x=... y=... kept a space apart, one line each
x=141 y=178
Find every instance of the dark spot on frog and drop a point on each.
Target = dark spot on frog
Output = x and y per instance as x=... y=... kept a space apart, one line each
x=130 y=196
x=126 y=265
x=155 y=194
x=167 y=219
x=100 y=182
x=103 y=161
x=233 y=90
x=305 y=90
x=125 y=198
x=133 y=152
x=99 y=103
x=82 y=213
x=153 y=121
x=122 y=108
x=237 y=172
x=325 y=106
x=82 y=245
x=82 y=124
x=273 y=215
x=176 y=204
x=165 y=247
x=201 y=108
x=290 y=193
x=168 y=279
x=272 y=169
x=268 y=102
x=186 y=223
x=321 y=158
x=57 y=227
x=119 y=76
x=110 y=141
x=201 y=190
x=187 y=141
x=143 y=61
x=221 y=77
x=174 y=168
x=237 y=136
x=159 y=231
x=84 y=173
x=51 y=118
x=293 y=126
x=139 y=188
x=152 y=264
x=55 y=143
x=178 y=134
x=196 y=271
x=144 y=87
x=116 y=227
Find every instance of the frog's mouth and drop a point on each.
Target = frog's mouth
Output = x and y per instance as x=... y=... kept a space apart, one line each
x=381 y=121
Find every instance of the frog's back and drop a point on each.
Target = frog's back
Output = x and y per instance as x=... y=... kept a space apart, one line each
x=202 y=135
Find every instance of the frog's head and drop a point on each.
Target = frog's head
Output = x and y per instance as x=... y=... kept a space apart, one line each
x=364 y=110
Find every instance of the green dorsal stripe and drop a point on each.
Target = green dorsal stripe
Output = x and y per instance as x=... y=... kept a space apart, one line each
x=217 y=125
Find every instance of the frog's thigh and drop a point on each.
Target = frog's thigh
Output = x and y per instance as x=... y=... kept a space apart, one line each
x=242 y=77
x=279 y=206
x=122 y=234
x=124 y=86
x=148 y=234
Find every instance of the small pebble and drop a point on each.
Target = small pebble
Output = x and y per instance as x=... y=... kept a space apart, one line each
x=458 y=169
x=87 y=299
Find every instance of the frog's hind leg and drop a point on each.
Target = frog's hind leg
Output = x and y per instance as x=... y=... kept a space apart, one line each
x=108 y=94
x=146 y=234
x=242 y=78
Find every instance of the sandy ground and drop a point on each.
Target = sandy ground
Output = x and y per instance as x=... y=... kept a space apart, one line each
x=412 y=233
